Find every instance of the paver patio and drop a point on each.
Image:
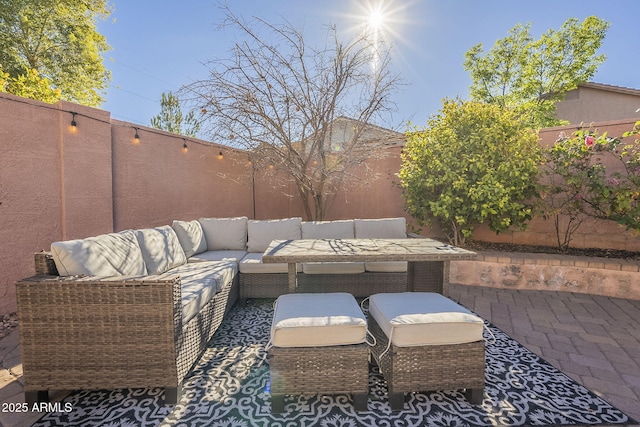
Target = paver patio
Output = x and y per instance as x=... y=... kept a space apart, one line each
x=593 y=339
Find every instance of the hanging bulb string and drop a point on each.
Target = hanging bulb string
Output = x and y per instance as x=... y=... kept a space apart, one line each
x=76 y=114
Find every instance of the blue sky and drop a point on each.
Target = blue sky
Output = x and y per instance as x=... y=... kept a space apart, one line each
x=160 y=45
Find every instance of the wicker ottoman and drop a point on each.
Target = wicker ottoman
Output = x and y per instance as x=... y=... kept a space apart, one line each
x=426 y=342
x=318 y=347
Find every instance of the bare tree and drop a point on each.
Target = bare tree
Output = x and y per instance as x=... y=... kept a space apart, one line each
x=286 y=103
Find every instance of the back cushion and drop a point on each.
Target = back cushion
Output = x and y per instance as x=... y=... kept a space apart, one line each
x=115 y=254
x=191 y=237
x=225 y=233
x=160 y=248
x=384 y=228
x=261 y=233
x=328 y=230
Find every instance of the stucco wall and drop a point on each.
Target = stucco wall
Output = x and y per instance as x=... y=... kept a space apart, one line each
x=588 y=104
x=57 y=183
x=155 y=182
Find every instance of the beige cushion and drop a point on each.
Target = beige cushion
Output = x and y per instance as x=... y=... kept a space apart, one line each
x=328 y=229
x=384 y=228
x=115 y=254
x=234 y=256
x=200 y=282
x=191 y=237
x=333 y=267
x=313 y=320
x=225 y=233
x=252 y=263
x=160 y=248
x=386 y=266
x=424 y=318
x=261 y=233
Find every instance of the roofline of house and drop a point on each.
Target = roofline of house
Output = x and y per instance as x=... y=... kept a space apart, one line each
x=611 y=88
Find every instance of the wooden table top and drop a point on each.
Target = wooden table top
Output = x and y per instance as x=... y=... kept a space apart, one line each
x=347 y=250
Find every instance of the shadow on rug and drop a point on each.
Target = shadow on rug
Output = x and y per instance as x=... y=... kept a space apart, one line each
x=230 y=387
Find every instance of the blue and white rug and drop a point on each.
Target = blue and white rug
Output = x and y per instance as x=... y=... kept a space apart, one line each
x=229 y=387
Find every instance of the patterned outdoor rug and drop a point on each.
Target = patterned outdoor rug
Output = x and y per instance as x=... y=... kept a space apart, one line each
x=230 y=387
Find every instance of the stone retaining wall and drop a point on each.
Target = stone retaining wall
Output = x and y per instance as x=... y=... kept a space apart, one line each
x=597 y=276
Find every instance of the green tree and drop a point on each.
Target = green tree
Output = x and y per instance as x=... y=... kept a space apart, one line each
x=531 y=75
x=51 y=49
x=171 y=118
x=474 y=163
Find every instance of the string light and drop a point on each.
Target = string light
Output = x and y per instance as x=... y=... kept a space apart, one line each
x=220 y=156
x=73 y=128
x=185 y=149
x=136 y=137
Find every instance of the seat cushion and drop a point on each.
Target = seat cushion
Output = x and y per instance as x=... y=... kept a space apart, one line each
x=262 y=232
x=201 y=281
x=333 y=267
x=316 y=320
x=252 y=263
x=424 y=318
x=383 y=228
x=328 y=229
x=386 y=266
x=234 y=256
x=115 y=254
x=225 y=233
x=161 y=249
x=191 y=237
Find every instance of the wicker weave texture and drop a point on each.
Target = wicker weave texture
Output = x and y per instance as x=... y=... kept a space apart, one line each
x=272 y=285
x=427 y=368
x=320 y=370
x=89 y=333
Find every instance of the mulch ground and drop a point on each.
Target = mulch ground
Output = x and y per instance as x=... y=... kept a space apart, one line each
x=591 y=252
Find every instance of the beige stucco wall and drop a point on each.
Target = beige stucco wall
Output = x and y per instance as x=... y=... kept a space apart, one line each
x=586 y=104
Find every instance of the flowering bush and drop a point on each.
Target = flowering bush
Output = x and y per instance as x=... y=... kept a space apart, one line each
x=591 y=175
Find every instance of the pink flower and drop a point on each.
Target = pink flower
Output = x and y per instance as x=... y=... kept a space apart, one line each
x=589 y=141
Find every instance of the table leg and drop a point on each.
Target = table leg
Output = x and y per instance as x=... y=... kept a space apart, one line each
x=445 y=278
x=293 y=276
x=428 y=276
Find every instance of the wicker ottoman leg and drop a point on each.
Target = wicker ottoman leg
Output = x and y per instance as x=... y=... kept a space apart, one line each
x=360 y=402
x=172 y=395
x=277 y=403
x=474 y=395
x=396 y=401
x=32 y=397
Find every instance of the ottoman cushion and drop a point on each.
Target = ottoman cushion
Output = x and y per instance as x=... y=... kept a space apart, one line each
x=317 y=320
x=424 y=318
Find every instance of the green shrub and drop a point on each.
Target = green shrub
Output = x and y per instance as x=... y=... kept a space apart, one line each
x=474 y=163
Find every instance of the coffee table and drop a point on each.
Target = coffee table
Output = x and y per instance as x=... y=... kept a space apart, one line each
x=428 y=259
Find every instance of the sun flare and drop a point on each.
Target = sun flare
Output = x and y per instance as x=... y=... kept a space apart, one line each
x=376 y=17
x=386 y=22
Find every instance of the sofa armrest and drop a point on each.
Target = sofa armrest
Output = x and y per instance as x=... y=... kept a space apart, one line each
x=45 y=264
x=115 y=328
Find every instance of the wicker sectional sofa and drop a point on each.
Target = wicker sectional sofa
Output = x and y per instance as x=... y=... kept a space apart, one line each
x=136 y=308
